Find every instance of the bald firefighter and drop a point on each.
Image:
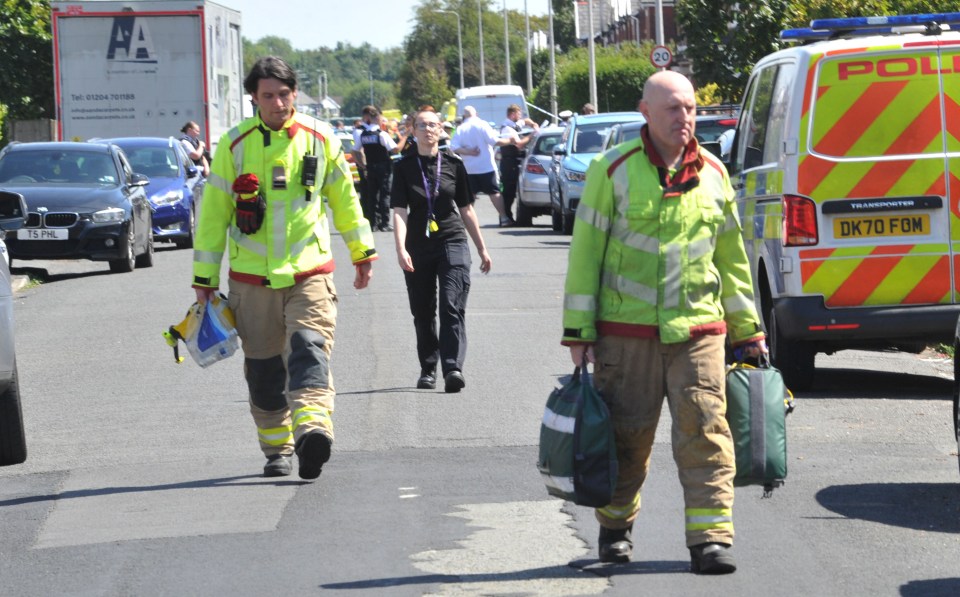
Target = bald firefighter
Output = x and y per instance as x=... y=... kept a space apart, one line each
x=657 y=278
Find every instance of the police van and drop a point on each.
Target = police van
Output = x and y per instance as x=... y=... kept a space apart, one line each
x=846 y=166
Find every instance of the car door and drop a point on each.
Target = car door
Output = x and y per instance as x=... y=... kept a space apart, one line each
x=141 y=212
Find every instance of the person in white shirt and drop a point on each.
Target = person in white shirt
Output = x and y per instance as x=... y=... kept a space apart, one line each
x=475 y=141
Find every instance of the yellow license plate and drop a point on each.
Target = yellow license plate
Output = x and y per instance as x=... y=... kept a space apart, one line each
x=864 y=227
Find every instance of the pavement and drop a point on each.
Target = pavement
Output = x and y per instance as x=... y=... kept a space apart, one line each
x=18 y=282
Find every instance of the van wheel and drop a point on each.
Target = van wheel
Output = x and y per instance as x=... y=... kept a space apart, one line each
x=13 y=444
x=795 y=360
x=956 y=395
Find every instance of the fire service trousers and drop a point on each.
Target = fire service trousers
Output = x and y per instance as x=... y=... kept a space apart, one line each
x=287 y=339
x=634 y=375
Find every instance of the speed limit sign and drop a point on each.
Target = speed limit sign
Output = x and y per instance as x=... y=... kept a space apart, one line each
x=661 y=57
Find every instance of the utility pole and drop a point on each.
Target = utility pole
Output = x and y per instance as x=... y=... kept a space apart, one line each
x=529 y=63
x=506 y=40
x=483 y=76
x=593 y=57
x=459 y=41
x=553 y=65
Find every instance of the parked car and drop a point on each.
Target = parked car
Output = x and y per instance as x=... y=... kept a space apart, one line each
x=13 y=445
x=533 y=191
x=711 y=126
x=621 y=133
x=582 y=139
x=175 y=187
x=85 y=202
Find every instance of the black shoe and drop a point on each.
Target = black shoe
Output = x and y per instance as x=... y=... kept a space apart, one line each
x=453 y=382
x=616 y=545
x=712 y=558
x=278 y=465
x=313 y=450
x=427 y=381
x=507 y=222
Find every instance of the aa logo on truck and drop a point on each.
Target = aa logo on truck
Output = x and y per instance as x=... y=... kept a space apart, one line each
x=130 y=41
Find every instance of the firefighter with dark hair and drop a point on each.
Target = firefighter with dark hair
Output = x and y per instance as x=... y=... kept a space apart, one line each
x=264 y=207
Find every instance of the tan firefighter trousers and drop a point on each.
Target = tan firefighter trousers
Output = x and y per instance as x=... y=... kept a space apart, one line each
x=287 y=339
x=634 y=375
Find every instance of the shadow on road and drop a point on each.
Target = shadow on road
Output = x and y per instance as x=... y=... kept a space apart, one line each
x=238 y=481
x=928 y=507
x=937 y=587
x=860 y=383
x=43 y=276
x=550 y=572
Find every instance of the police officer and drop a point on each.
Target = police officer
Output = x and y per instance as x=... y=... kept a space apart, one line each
x=263 y=206
x=511 y=156
x=194 y=146
x=377 y=147
x=650 y=298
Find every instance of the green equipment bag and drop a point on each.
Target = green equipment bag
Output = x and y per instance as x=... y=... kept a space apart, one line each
x=757 y=406
x=578 y=454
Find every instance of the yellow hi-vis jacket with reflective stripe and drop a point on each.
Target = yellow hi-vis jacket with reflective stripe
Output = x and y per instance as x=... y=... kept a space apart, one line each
x=294 y=240
x=673 y=263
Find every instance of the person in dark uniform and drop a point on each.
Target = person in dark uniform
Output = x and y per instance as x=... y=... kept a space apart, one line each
x=433 y=215
x=195 y=147
x=377 y=146
x=511 y=156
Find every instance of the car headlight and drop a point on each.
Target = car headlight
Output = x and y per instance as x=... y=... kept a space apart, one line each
x=574 y=176
x=168 y=198
x=105 y=216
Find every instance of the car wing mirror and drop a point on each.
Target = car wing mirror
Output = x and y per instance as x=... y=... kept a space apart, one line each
x=13 y=210
x=139 y=180
x=192 y=172
x=559 y=150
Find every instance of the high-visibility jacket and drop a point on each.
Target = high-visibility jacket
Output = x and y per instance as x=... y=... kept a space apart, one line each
x=294 y=240
x=675 y=265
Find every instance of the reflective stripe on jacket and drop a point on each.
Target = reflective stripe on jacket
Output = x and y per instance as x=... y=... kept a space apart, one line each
x=676 y=264
x=294 y=240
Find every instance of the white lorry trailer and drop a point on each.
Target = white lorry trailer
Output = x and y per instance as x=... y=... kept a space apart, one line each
x=144 y=68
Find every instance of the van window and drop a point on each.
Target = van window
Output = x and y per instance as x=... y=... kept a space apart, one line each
x=882 y=104
x=753 y=126
x=779 y=108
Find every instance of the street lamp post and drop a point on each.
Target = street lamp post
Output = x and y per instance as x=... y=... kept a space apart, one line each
x=371 y=87
x=459 y=41
x=593 y=58
x=553 y=66
x=483 y=76
x=529 y=63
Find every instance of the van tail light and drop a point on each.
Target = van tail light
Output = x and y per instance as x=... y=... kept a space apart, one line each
x=799 y=221
x=534 y=167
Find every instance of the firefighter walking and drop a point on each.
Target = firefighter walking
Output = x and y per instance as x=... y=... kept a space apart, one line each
x=264 y=204
x=657 y=278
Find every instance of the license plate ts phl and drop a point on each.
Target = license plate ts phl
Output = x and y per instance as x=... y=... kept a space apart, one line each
x=43 y=234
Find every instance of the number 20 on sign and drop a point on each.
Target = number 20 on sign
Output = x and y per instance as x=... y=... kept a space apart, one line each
x=661 y=57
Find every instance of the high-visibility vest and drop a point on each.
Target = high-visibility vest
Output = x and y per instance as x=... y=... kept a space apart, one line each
x=294 y=240
x=673 y=263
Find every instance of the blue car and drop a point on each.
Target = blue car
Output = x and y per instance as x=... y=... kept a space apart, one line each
x=582 y=140
x=175 y=188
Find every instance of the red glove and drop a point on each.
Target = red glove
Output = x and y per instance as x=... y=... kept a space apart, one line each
x=250 y=203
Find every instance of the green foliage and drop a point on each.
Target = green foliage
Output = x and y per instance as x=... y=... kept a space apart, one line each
x=724 y=42
x=709 y=95
x=621 y=73
x=563 y=27
x=801 y=12
x=26 y=82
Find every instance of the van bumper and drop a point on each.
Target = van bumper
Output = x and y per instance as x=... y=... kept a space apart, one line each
x=808 y=319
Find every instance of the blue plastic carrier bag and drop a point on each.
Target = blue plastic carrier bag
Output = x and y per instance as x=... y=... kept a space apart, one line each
x=207 y=330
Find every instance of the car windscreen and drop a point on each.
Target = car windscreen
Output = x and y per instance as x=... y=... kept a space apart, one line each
x=155 y=162
x=588 y=138
x=57 y=166
x=545 y=144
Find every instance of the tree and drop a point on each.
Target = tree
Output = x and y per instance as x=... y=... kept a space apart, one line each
x=724 y=42
x=26 y=82
x=564 y=29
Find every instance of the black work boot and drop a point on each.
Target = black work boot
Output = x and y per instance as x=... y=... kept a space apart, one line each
x=278 y=465
x=616 y=545
x=313 y=450
x=712 y=558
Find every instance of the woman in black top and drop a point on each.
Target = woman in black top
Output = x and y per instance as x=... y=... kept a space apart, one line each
x=432 y=216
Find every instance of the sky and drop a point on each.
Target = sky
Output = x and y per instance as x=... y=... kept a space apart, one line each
x=323 y=23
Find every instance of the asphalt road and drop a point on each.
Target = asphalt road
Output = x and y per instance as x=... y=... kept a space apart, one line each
x=143 y=475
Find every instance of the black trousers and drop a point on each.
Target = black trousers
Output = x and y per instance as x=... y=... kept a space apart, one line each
x=449 y=264
x=510 y=177
x=377 y=206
